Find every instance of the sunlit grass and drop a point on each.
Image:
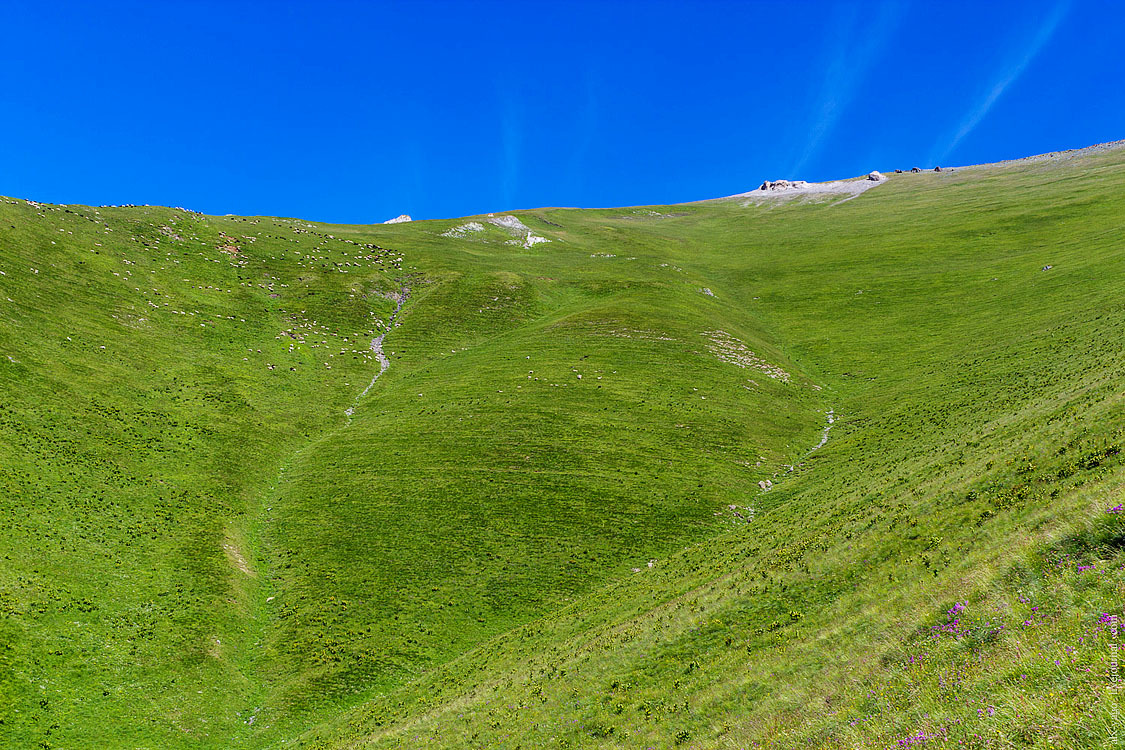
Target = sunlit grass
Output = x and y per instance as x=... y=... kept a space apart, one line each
x=544 y=525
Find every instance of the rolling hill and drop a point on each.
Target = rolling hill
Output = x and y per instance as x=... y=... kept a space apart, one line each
x=818 y=470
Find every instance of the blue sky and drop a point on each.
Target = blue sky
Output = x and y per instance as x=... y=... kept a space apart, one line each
x=359 y=111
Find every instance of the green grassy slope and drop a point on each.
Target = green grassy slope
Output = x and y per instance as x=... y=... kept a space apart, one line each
x=543 y=525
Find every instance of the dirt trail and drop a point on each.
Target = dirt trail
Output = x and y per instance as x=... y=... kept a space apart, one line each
x=377 y=347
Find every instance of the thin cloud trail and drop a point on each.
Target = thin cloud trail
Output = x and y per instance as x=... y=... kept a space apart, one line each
x=847 y=69
x=585 y=130
x=1008 y=75
x=511 y=137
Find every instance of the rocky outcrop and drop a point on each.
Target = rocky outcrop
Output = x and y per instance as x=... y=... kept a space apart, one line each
x=532 y=239
x=876 y=176
x=400 y=219
x=776 y=185
x=515 y=227
x=511 y=223
x=459 y=232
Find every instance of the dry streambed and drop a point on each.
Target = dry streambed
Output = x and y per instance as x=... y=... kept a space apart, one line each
x=377 y=347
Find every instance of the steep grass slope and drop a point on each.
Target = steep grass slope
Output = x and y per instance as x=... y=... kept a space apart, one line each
x=543 y=525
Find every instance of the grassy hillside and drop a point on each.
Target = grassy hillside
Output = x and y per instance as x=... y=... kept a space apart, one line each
x=590 y=502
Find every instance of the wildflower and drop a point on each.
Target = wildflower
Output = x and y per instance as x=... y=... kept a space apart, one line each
x=1114 y=509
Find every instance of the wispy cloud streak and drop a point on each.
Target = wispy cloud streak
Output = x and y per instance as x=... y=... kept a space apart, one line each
x=511 y=144
x=1008 y=74
x=848 y=66
x=585 y=129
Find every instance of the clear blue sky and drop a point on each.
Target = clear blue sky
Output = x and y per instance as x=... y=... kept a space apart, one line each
x=356 y=112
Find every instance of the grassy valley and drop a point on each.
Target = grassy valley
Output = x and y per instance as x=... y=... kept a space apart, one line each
x=729 y=474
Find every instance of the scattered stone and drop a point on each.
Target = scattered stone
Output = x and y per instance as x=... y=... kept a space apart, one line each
x=876 y=176
x=898 y=171
x=1047 y=268
x=915 y=170
x=765 y=484
x=937 y=169
x=729 y=349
